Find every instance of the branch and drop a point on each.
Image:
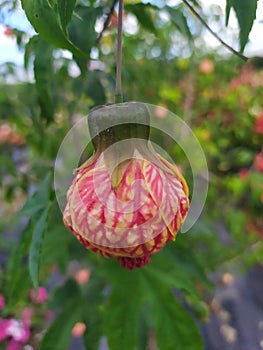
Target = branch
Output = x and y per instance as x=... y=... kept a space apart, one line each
x=213 y=33
x=107 y=20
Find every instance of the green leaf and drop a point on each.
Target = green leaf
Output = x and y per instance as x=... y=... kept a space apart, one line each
x=45 y=21
x=82 y=27
x=16 y=277
x=36 y=247
x=141 y=11
x=173 y=322
x=93 y=313
x=180 y=21
x=121 y=312
x=246 y=13
x=59 y=334
x=95 y=89
x=39 y=199
x=43 y=70
x=65 y=10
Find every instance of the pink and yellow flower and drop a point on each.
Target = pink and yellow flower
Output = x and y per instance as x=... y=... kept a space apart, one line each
x=126 y=201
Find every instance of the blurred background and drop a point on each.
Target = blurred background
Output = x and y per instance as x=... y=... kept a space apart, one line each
x=170 y=60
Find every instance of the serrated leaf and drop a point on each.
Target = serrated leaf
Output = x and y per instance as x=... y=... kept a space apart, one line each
x=36 y=247
x=46 y=22
x=246 y=13
x=173 y=322
x=141 y=11
x=122 y=311
x=65 y=10
x=59 y=334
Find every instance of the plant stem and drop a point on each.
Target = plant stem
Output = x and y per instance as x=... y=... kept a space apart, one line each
x=107 y=20
x=118 y=89
x=213 y=33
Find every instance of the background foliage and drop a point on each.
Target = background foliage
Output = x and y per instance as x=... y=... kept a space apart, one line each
x=219 y=96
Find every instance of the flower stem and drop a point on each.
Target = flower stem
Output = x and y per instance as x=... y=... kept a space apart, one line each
x=118 y=89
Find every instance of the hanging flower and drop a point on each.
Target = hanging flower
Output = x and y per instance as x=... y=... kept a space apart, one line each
x=126 y=201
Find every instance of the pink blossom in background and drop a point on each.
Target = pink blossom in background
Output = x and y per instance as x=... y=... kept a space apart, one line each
x=259 y=124
x=13 y=345
x=79 y=329
x=27 y=314
x=42 y=295
x=2 y=301
x=17 y=330
x=243 y=173
x=82 y=276
x=3 y=334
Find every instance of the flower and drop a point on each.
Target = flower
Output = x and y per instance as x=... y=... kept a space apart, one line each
x=17 y=329
x=13 y=345
x=206 y=66
x=8 y=31
x=126 y=201
x=79 y=329
x=27 y=314
x=42 y=295
x=82 y=276
x=259 y=124
x=243 y=173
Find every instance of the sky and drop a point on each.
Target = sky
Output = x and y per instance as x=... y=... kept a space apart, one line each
x=10 y=52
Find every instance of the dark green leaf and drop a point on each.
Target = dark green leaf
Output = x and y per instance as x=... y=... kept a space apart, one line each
x=43 y=70
x=57 y=236
x=36 y=247
x=246 y=13
x=39 y=200
x=142 y=13
x=65 y=10
x=93 y=313
x=172 y=321
x=82 y=27
x=95 y=89
x=64 y=293
x=59 y=334
x=121 y=312
x=45 y=21
x=30 y=49
x=17 y=276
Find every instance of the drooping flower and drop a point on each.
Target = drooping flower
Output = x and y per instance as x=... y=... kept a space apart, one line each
x=126 y=201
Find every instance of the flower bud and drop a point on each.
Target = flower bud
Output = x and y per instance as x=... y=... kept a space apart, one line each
x=126 y=201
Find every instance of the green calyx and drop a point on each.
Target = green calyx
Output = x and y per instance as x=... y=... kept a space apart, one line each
x=116 y=122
